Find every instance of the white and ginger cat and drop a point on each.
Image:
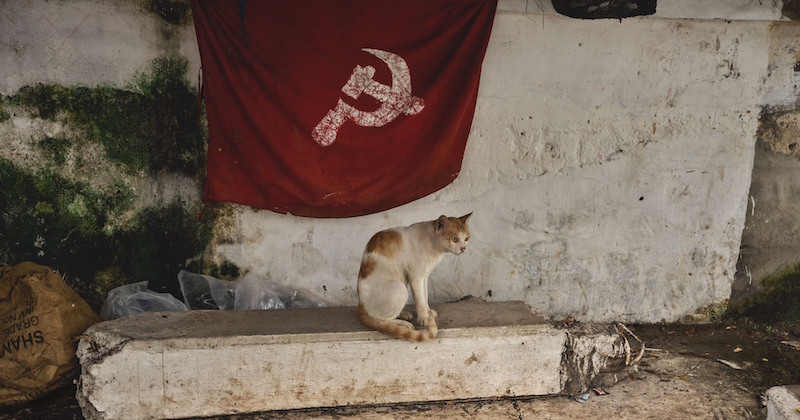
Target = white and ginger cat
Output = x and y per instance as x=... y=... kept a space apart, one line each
x=400 y=257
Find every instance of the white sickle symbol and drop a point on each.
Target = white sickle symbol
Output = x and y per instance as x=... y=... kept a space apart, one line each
x=395 y=99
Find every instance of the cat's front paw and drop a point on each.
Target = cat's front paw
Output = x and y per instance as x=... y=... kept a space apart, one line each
x=423 y=319
x=404 y=324
x=405 y=316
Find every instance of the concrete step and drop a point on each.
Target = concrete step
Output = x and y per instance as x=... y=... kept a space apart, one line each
x=783 y=402
x=206 y=363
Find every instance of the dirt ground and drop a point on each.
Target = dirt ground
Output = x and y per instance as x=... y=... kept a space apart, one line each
x=681 y=376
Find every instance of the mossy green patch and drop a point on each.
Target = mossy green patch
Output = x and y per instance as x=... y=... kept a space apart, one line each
x=708 y=314
x=55 y=148
x=38 y=225
x=778 y=300
x=55 y=222
x=95 y=230
x=226 y=270
x=163 y=242
x=153 y=126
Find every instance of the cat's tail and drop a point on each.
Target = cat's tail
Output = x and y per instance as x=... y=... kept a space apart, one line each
x=397 y=330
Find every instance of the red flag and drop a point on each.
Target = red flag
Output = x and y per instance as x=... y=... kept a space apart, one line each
x=328 y=108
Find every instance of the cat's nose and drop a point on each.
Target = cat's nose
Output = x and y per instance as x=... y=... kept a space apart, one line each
x=463 y=248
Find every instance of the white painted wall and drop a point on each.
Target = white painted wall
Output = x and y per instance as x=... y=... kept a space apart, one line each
x=608 y=170
x=608 y=166
x=82 y=42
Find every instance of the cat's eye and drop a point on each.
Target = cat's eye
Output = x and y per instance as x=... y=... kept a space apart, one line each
x=455 y=239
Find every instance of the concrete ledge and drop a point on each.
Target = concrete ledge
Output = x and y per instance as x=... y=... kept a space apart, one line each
x=783 y=403
x=206 y=363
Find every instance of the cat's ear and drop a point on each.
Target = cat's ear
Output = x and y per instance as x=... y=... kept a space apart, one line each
x=441 y=222
x=465 y=217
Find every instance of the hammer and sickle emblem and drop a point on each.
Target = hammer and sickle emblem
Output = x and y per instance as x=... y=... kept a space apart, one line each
x=395 y=99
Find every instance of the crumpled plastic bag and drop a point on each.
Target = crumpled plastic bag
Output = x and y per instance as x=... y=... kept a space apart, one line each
x=200 y=291
x=255 y=292
x=134 y=298
x=258 y=292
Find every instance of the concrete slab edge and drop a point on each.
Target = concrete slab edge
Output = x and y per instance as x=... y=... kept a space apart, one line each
x=547 y=360
x=782 y=404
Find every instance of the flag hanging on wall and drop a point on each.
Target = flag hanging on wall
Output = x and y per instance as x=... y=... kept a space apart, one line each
x=329 y=108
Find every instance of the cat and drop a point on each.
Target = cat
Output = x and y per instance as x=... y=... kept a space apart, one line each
x=400 y=257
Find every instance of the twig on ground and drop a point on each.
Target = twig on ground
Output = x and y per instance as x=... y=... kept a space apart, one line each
x=626 y=346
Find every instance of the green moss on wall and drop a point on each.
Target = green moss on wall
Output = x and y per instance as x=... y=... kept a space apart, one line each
x=226 y=270
x=163 y=241
x=56 y=222
x=152 y=127
x=708 y=314
x=778 y=300
x=95 y=228
x=55 y=148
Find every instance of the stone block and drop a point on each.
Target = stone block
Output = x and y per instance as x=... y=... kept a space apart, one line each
x=783 y=402
x=205 y=363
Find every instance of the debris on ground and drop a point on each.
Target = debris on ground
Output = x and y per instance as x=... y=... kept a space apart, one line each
x=624 y=351
x=730 y=364
x=582 y=398
x=795 y=345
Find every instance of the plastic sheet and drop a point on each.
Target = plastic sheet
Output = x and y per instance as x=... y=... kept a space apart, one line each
x=251 y=292
x=258 y=292
x=255 y=292
x=131 y=299
x=206 y=292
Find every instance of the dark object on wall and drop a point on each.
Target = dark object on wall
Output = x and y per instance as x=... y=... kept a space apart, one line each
x=604 y=9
